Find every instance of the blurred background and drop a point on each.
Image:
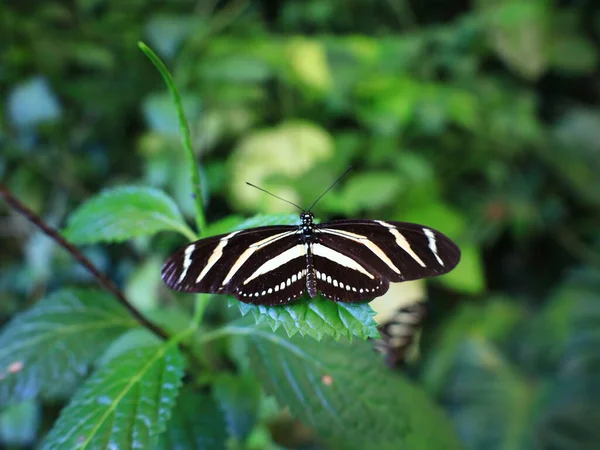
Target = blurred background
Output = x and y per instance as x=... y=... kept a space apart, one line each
x=480 y=119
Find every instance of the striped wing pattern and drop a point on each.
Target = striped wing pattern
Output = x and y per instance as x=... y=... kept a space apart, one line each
x=381 y=252
x=347 y=261
x=246 y=264
x=398 y=334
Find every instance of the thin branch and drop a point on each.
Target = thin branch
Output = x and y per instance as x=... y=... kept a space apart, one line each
x=104 y=281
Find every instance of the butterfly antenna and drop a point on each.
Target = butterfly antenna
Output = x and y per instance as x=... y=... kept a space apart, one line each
x=329 y=188
x=276 y=196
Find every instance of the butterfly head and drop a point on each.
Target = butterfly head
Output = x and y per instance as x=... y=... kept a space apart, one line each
x=307 y=219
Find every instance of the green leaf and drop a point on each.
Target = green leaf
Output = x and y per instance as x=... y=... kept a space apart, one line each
x=493 y=400
x=170 y=319
x=125 y=404
x=222 y=226
x=317 y=317
x=468 y=276
x=239 y=397
x=197 y=423
x=124 y=213
x=142 y=287
x=48 y=349
x=566 y=340
x=233 y=223
x=519 y=32
x=19 y=424
x=574 y=158
x=365 y=192
x=130 y=340
x=573 y=53
x=495 y=321
x=346 y=394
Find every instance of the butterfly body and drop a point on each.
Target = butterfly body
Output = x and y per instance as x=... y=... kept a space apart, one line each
x=345 y=260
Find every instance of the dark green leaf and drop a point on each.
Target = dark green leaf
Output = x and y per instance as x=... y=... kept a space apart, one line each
x=573 y=53
x=346 y=393
x=574 y=158
x=318 y=317
x=125 y=404
x=197 y=423
x=239 y=397
x=123 y=213
x=565 y=337
x=495 y=321
x=491 y=397
x=48 y=349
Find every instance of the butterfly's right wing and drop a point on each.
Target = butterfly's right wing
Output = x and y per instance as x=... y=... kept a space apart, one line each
x=255 y=265
x=355 y=260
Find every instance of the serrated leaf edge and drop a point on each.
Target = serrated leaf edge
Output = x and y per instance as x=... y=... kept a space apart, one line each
x=275 y=323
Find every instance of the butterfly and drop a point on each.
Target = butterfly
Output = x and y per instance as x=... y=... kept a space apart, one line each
x=344 y=260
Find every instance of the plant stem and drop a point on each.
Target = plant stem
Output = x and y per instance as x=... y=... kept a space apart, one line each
x=184 y=131
x=81 y=258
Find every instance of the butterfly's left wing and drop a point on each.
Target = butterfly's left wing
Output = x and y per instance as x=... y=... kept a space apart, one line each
x=263 y=266
x=368 y=254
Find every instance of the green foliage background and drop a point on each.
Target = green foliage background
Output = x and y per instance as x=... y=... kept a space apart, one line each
x=480 y=119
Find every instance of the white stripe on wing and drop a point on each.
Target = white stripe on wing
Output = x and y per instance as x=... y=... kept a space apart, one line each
x=364 y=241
x=339 y=258
x=237 y=265
x=402 y=242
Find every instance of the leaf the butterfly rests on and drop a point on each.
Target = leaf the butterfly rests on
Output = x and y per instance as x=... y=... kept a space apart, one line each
x=345 y=260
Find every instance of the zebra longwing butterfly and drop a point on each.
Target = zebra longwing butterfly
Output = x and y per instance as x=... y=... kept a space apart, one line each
x=344 y=260
x=399 y=333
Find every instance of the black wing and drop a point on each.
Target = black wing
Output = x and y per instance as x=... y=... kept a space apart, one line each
x=264 y=265
x=380 y=252
x=342 y=277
